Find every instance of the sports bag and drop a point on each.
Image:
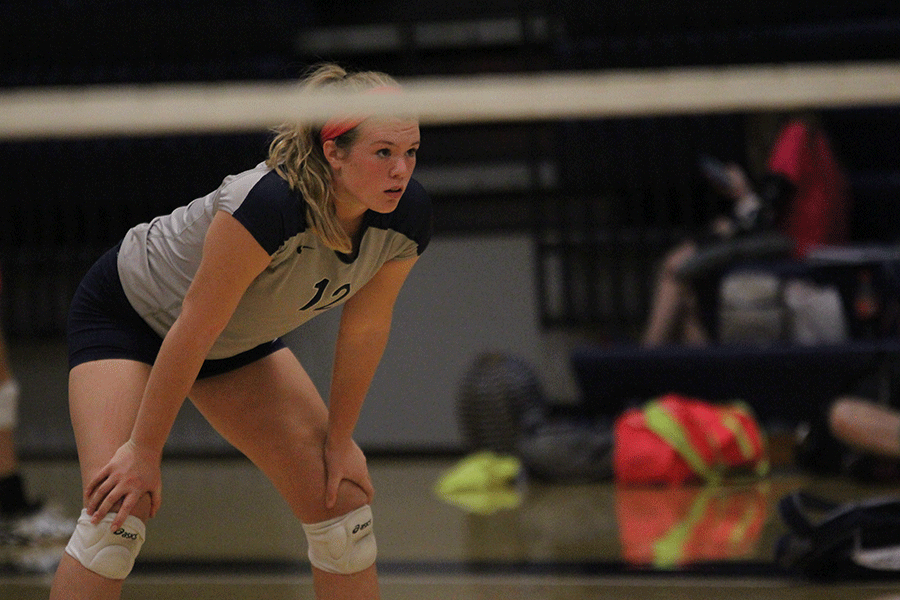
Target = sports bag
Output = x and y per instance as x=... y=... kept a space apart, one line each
x=676 y=439
x=830 y=541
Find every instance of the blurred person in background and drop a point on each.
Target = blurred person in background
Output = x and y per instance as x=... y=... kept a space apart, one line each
x=23 y=520
x=803 y=193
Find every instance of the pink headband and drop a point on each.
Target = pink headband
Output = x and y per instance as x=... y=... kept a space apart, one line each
x=338 y=125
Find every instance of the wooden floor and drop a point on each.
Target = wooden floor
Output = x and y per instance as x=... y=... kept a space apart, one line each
x=223 y=533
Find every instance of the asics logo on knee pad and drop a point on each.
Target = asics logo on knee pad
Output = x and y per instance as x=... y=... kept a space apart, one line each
x=361 y=526
x=128 y=535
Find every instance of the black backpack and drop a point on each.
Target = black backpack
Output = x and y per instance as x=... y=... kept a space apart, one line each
x=830 y=541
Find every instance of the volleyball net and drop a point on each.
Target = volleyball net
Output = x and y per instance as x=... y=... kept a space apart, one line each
x=595 y=165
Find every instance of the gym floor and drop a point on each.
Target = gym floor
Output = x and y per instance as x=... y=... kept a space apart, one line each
x=223 y=532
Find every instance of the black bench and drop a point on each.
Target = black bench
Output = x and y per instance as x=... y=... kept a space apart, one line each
x=784 y=384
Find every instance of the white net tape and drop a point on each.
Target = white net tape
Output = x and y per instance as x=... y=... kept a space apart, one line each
x=249 y=106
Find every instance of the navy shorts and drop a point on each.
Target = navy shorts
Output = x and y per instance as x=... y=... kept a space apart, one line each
x=103 y=324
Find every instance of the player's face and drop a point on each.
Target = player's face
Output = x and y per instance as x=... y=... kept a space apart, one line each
x=374 y=173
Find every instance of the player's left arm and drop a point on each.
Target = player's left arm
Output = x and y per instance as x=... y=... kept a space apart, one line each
x=363 y=335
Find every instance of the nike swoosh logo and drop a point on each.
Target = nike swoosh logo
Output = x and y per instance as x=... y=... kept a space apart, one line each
x=301 y=248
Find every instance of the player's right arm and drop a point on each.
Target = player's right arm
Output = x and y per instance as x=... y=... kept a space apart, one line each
x=232 y=258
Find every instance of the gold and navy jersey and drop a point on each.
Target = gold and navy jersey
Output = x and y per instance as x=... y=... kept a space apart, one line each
x=158 y=260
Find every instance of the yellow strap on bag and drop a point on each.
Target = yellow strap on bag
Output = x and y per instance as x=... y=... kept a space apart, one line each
x=666 y=426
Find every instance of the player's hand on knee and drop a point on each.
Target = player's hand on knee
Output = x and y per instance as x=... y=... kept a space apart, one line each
x=130 y=474
x=345 y=461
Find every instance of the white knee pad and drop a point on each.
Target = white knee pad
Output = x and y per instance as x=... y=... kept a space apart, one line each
x=9 y=404
x=343 y=545
x=106 y=552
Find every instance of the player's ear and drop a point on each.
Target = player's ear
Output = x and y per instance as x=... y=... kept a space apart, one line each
x=332 y=153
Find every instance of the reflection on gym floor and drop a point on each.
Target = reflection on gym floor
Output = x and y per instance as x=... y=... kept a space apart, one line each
x=223 y=532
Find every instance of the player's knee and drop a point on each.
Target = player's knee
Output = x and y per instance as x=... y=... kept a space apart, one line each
x=107 y=552
x=350 y=497
x=343 y=545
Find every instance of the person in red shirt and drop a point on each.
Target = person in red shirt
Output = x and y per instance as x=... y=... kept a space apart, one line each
x=805 y=175
x=804 y=194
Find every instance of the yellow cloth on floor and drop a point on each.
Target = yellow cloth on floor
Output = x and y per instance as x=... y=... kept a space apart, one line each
x=481 y=483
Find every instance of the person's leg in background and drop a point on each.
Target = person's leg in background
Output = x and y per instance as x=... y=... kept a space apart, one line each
x=22 y=520
x=674 y=313
x=865 y=425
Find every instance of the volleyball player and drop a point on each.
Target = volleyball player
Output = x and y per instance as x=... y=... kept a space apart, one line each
x=193 y=303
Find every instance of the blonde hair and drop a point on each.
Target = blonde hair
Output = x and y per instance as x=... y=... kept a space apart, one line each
x=295 y=153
